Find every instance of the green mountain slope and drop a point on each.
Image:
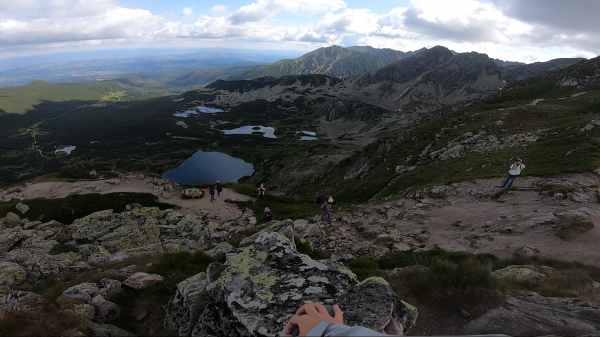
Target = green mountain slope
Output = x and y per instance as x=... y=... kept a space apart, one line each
x=22 y=99
x=332 y=61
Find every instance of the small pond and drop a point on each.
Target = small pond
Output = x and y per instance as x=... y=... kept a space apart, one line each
x=268 y=132
x=309 y=135
x=206 y=167
x=65 y=148
x=194 y=111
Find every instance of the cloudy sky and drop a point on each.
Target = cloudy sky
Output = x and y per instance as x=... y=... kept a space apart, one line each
x=517 y=30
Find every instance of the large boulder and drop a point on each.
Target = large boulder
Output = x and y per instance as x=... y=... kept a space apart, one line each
x=141 y=281
x=255 y=292
x=528 y=313
x=116 y=232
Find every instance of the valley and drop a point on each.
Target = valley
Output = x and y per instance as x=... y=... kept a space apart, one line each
x=411 y=146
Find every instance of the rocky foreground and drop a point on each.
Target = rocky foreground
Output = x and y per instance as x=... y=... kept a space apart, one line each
x=255 y=288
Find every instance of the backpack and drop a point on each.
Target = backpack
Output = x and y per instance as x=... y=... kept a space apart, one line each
x=323 y=206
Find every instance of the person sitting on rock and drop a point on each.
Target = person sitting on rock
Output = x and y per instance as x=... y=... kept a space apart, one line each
x=314 y=320
x=267 y=215
x=513 y=173
x=261 y=191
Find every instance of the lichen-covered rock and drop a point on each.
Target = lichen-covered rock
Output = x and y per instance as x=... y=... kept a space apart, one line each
x=8 y=238
x=22 y=208
x=11 y=220
x=83 y=309
x=85 y=292
x=140 y=281
x=104 y=309
x=192 y=193
x=220 y=251
x=92 y=227
x=132 y=234
x=12 y=274
x=526 y=311
x=258 y=290
x=527 y=272
x=19 y=301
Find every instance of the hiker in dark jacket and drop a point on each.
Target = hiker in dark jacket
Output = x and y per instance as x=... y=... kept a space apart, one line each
x=219 y=188
x=327 y=208
x=211 y=191
x=267 y=215
x=319 y=199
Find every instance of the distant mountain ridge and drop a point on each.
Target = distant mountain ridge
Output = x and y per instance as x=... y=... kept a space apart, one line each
x=332 y=61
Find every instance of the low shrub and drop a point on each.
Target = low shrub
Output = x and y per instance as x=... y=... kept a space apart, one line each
x=570 y=231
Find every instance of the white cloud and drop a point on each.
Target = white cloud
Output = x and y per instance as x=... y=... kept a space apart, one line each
x=218 y=10
x=509 y=29
x=264 y=9
x=113 y=23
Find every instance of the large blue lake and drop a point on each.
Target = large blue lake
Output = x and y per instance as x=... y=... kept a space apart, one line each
x=206 y=167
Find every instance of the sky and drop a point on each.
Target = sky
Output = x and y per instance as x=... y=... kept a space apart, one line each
x=512 y=30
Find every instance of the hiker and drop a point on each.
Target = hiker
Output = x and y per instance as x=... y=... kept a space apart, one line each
x=513 y=173
x=314 y=320
x=327 y=208
x=211 y=191
x=219 y=188
x=319 y=199
x=261 y=191
x=267 y=215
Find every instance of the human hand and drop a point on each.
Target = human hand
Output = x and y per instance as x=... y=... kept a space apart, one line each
x=310 y=315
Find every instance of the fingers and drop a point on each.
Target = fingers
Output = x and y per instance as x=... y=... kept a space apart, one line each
x=339 y=314
x=308 y=309
x=292 y=323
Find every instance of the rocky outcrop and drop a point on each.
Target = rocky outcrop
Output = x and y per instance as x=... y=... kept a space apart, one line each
x=480 y=143
x=97 y=295
x=256 y=291
x=528 y=313
x=524 y=272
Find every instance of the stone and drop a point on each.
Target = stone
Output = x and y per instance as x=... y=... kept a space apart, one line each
x=524 y=251
x=260 y=288
x=525 y=272
x=18 y=300
x=525 y=311
x=12 y=274
x=8 y=238
x=83 y=309
x=141 y=281
x=85 y=292
x=384 y=238
x=402 y=247
x=22 y=208
x=219 y=252
x=104 y=310
x=192 y=193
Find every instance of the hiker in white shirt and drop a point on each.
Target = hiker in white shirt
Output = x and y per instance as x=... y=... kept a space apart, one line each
x=513 y=173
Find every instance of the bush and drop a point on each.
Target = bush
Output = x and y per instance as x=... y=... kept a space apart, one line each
x=570 y=231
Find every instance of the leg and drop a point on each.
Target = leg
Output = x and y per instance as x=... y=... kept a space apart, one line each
x=512 y=180
x=323 y=216
x=328 y=217
x=505 y=181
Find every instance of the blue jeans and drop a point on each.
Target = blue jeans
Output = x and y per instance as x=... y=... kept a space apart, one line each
x=328 y=217
x=510 y=179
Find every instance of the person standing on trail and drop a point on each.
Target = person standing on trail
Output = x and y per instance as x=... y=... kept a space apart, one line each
x=261 y=191
x=219 y=188
x=211 y=191
x=513 y=173
x=319 y=199
x=267 y=215
x=327 y=208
